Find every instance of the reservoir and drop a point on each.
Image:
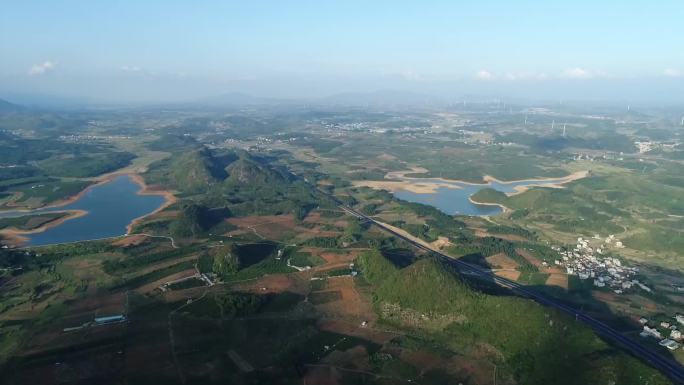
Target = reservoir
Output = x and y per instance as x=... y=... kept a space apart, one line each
x=110 y=207
x=455 y=199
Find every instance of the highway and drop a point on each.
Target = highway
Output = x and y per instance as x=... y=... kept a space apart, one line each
x=667 y=366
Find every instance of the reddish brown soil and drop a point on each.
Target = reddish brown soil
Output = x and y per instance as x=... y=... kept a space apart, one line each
x=502 y=261
x=252 y=221
x=356 y=330
x=313 y=217
x=278 y=283
x=529 y=257
x=131 y=240
x=513 y=275
x=150 y=287
x=558 y=280
x=274 y=226
x=351 y=306
x=604 y=296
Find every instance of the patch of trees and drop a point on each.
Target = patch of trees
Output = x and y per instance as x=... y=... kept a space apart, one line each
x=519 y=214
x=195 y=220
x=611 y=142
x=370 y=209
x=489 y=246
x=224 y=260
x=353 y=232
x=323 y=242
x=143 y=259
x=171 y=142
x=515 y=230
x=86 y=165
x=227 y=305
x=7 y=173
x=438 y=223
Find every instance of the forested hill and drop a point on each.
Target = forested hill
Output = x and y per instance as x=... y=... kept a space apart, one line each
x=233 y=179
x=432 y=300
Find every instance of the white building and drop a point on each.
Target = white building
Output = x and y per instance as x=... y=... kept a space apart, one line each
x=680 y=318
x=668 y=343
x=653 y=332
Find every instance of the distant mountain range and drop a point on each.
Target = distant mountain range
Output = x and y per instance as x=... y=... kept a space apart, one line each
x=241 y=99
x=387 y=98
x=6 y=106
x=383 y=98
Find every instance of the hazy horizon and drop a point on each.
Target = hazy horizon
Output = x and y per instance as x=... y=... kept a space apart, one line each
x=172 y=51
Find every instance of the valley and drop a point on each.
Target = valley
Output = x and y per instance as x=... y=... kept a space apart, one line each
x=259 y=252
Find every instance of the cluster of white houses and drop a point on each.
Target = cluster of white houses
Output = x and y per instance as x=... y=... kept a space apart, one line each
x=588 y=262
x=667 y=332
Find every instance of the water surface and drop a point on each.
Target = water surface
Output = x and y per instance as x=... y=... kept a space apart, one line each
x=110 y=208
x=455 y=200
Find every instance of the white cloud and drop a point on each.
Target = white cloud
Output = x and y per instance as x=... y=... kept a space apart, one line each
x=671 y=72
x=577 y=73
x=525 y=76
x=131 y=69
x=409 y=75
x=484 y=75
x=39 y=69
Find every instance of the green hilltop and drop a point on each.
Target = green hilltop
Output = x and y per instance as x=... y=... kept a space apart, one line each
x=233 y=179
x=195 y=170
x=200 y=169
x=529 y=343
x=246 y=170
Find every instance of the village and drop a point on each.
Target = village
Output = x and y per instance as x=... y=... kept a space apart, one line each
x=589 y=262
x=674 y=336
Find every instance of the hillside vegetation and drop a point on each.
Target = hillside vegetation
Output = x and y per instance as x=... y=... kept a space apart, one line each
x=82 y=166
x=637 y=208
x=522 y=338
x=235 y=180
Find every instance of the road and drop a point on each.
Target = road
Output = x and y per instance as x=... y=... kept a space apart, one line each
x=667 y=366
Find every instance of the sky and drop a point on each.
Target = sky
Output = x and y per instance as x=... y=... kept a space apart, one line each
x=167 y=50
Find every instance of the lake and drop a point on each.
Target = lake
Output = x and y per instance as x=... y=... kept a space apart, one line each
x=110 y=207
x=455 y=200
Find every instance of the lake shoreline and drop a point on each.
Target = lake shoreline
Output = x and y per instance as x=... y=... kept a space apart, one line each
x=420 y=186
x=18 y=238
x=504 y=209
x=169 y=199
x=488 y=179
x=434 y=191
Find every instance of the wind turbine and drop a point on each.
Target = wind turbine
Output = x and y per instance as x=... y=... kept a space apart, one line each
x=564 y=129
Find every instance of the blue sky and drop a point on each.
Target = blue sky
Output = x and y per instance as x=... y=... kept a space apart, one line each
x=149 y=50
